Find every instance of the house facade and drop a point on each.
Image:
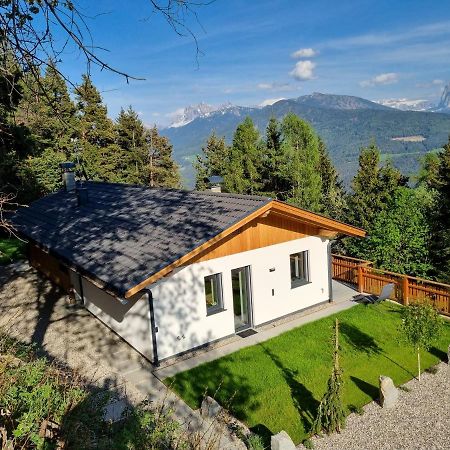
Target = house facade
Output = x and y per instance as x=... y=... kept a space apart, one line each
x=200 y=268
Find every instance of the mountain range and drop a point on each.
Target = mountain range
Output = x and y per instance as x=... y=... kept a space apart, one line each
x=345 y=123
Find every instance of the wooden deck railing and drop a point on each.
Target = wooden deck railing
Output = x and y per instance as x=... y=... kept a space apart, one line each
x=366 y=278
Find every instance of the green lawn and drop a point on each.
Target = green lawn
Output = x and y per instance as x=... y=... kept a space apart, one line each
x=277 y=385
x=11 y=249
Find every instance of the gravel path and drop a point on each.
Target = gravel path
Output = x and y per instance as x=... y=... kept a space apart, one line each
x=421 y=420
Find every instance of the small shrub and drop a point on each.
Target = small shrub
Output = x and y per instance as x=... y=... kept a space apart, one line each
x=356 y=409
x=255 y=442
x=433 y=370
x=309 y=444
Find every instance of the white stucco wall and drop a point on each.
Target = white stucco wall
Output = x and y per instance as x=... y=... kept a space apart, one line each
x=180 y=308
x=130 y=321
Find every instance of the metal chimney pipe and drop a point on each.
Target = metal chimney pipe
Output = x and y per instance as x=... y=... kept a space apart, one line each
x=68 y=175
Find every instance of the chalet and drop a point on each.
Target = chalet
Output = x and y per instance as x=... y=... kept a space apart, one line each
x=171 y=270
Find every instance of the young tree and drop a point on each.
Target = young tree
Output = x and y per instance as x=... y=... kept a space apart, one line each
x=421 y=325
x=333 y=197
x=243 y=172
x=429 y=171
x=399 y=238
x=161 y=170
x=330 y=415
x=300 y=153
x=213 y=161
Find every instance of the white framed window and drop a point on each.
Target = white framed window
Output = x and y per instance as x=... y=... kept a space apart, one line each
x=299 y=269
x=213 y=293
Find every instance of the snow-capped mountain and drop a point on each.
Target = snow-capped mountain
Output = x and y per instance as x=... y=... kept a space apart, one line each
x=405 y=104
x=192 y=112
x=444 y=104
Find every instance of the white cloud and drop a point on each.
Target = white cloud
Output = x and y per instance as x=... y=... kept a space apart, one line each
x=381 y=79
x=304 y=53
x=274 y=86
x=175 y=113
x=156 y=114
x=437 y=82
x=270 y=101
x=303 y=70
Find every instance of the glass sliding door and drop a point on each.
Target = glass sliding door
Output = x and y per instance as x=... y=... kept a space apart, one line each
x=240 y=279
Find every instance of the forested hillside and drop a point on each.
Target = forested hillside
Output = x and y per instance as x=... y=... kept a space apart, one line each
x=344 y=123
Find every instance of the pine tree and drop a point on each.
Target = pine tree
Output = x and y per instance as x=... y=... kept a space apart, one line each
x=333 y=199
x=103 y=158
x=441 y=219
x=272 y=181
x=330 y=415
x=243 y=172
x=213 y=161
x=131 y=139
x=160 y=170
x=300 y=163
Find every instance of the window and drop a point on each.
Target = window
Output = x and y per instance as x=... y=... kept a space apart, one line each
x=213 y=293
x=299 y=269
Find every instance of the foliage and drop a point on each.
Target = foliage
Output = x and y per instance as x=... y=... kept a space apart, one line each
x=300 y=149
x=243 y=174
x=212 y=161
x=255 y=442
x=399 y=238
x=35 y=393
x=421 y=326
x=330 y=413
x=333 y=198
x=441 y=218
x=273 y=159
x=373 y=187
x=11 y=249
x=277 y=385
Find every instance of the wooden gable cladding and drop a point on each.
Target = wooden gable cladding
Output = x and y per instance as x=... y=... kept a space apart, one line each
x=260 y=232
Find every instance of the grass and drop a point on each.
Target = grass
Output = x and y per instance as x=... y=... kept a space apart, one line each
x=11 y=250
x=277 y=385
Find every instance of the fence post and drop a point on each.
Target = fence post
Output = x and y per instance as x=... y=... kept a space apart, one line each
x=405 y=290
x=360 y=279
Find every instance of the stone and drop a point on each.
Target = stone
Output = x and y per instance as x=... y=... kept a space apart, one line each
x=210 y=408
x=388 y=392
x=281 y=441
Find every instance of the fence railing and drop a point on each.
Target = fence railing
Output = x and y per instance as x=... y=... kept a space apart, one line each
x=366 y=278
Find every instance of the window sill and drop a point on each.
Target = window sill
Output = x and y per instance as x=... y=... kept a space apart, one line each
x=214 y=311
x=296 y=284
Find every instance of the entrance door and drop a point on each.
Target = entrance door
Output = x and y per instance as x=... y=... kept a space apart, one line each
x=240 y=279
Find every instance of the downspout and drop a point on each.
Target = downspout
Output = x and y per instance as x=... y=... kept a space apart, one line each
x=80 y=282
x=330 y=273
x=153 y=327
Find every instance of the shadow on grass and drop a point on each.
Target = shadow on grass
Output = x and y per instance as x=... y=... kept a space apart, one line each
x=364 y=386
x=302 y=398
x=264 y=432
x=359 y=340
x=438 y=353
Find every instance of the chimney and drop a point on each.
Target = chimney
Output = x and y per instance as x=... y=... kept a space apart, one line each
x=68 y=175
x=82 y=196
x=215 y=183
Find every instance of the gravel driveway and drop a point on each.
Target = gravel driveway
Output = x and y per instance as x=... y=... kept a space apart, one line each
x=421 y=420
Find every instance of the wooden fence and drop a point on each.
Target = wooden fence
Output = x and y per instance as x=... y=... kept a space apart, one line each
x=366 y=278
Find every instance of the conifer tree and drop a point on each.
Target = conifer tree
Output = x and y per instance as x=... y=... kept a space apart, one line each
x=333 y=199
x=300 y=153
x=102 y=157
x=212 y=161
x=272 y=159
x=161 y=170
x=243 y=173
x=441 y=219
x=131 y=139
x=330 y=415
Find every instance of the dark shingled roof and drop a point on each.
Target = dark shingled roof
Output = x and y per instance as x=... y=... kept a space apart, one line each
x=127 y=233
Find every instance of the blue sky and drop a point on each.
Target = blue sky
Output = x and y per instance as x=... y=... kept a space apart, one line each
x=268 y=49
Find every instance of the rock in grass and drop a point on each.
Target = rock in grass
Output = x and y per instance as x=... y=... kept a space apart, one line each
x=388 y=392
x=281 y=441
